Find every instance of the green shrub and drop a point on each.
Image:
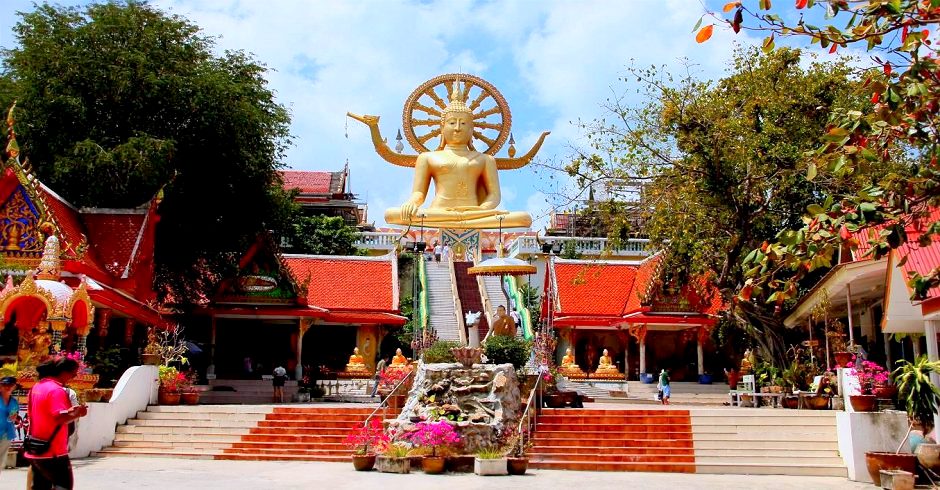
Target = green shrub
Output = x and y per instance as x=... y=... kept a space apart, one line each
x=501 y=349
x=440 y=351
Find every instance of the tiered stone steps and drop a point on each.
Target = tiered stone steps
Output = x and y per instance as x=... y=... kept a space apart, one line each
x=767 y=441
x=200 y=431
x=243 y=432
x=441 y=301
x=246 y=391
x=299 y=433
x=613 y=440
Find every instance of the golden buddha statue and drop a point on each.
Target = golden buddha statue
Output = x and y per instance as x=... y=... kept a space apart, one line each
x=503 y=324
x=606 y=367
x=356 y=363
x=466 y=181
x=399 y=360
x=569 y=367
x=747 y=362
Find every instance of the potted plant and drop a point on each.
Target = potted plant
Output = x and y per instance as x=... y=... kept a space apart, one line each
x=392 y=389
x=490 y=461
x=151 y=355
x=516 y=460
x=869 y=375
x=170 y=380
x=187 y=387
x=364 y=440
x=393 y=458
x=920 y=398
x=435 y=436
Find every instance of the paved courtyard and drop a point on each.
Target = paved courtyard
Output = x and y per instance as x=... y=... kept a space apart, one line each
x=134 y=473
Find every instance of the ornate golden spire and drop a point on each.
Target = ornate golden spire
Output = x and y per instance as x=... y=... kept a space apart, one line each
x=458 y=101
x=12 y=149
x=49 y=266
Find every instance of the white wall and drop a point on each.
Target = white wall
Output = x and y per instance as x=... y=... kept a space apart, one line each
x=136 y=389
x=863 y=432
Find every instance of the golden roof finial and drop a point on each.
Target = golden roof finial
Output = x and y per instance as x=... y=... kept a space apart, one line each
x=13 y=149
x=49 y=266
x=458 y=104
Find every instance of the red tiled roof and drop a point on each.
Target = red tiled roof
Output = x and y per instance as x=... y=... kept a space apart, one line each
x=587 y=288
x=347 y=283
x=921 y=260
x=645 y=274
x=113 y=236
x=308 y=182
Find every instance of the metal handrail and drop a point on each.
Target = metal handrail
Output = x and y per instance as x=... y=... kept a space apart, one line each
x=529 y=416
x=384 y=401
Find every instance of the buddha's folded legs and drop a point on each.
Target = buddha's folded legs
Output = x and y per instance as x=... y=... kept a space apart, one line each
x=482 y=219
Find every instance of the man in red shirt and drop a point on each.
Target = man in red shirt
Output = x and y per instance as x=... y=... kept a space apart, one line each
x=49 y=407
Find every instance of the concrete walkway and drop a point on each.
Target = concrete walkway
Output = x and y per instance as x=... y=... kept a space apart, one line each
x=162 y=473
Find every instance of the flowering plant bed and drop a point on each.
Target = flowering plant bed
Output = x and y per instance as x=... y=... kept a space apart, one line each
x=869 y=375
x=433 y=435
x=368 y=438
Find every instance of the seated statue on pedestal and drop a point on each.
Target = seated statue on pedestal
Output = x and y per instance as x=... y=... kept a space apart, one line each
x=466 y=181
x=399 y=361
x=356 y=363
x=569 y=367
x=606 y=367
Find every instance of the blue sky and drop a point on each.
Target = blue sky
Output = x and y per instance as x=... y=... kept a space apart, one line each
x=555 y=62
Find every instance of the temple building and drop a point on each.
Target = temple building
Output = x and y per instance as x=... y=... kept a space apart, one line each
x=326 y=194
x=77 y=279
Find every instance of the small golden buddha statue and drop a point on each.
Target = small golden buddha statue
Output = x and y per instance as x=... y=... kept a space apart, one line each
x=569 y=367
x=606 y=367
x=399 y=360
x=747 y=362
x=356 y=363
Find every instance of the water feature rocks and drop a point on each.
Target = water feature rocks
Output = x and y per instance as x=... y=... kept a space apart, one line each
x=480 y=401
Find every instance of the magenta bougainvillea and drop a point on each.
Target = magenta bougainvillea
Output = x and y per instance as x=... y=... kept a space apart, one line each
x=869 y=375
x=368 y=438
x=433 y=435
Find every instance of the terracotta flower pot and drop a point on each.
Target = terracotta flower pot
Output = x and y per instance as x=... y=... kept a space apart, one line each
x=363 y=462
x=929 y=455
x=790 y=402
x=816 y=402
x=150 y=359
x=864 y=403
x=876 y=462
x=886 y=391
x=517 y=466
x=189 y=398
x=433 y=465
x=168 y=398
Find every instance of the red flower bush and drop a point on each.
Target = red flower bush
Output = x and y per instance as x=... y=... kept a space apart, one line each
x=362 y=438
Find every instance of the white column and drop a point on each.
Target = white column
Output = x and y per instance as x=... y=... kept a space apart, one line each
x=701 y=356
x=848 y=303
x=643 y=355
x=915 y=346
x=210 y=370
x=299 y=369
x=930 y=331
x=474 y=335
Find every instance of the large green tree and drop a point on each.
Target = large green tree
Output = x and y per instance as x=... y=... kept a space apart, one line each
x=321 y=235
x=119 y=100
x=901 y=122
x=721 y=165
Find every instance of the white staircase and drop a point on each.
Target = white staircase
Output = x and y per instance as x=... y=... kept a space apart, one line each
x=441 y=302
x=244 y=391
x=494 y=292
x=766 y=441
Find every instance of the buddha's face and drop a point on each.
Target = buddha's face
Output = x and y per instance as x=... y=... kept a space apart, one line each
x=356 y=350
x=457 y=128
x=398 y=351
x=605 y=352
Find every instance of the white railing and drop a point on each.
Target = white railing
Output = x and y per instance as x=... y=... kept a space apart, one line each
x=594 y=247
x=377 y=240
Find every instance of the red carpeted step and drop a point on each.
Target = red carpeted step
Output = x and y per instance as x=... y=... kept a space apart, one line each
x=614 y=440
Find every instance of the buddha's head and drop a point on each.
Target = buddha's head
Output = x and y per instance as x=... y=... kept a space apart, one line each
x=456 y=120
x=605 y=352
x=568 y=351
x=356 y=351
x=398 y=351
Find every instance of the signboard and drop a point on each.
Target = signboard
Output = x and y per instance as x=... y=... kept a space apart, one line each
x=810 y=343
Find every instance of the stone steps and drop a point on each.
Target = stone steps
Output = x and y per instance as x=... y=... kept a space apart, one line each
x=613 y=440
x=271 y=432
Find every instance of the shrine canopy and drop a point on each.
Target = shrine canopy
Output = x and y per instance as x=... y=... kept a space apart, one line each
x=601 y=294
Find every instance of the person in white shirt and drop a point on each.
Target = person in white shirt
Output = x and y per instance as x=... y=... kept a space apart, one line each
x=437 y=252
x=445 y=255
x=280 y=377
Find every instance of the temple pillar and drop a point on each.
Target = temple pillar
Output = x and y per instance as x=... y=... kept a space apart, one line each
x=625 y=340
x=888 y=357
x=302 y=326
x=851 y=322
x=915 y=346
x=640 y=334
x=210 y=370
x=102 y=320
x=930 y=331
x=367 y=338
x=58 y=326
x=128 y=332
x=700 y=349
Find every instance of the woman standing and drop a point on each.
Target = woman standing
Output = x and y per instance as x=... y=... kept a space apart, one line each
x=664 y=386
